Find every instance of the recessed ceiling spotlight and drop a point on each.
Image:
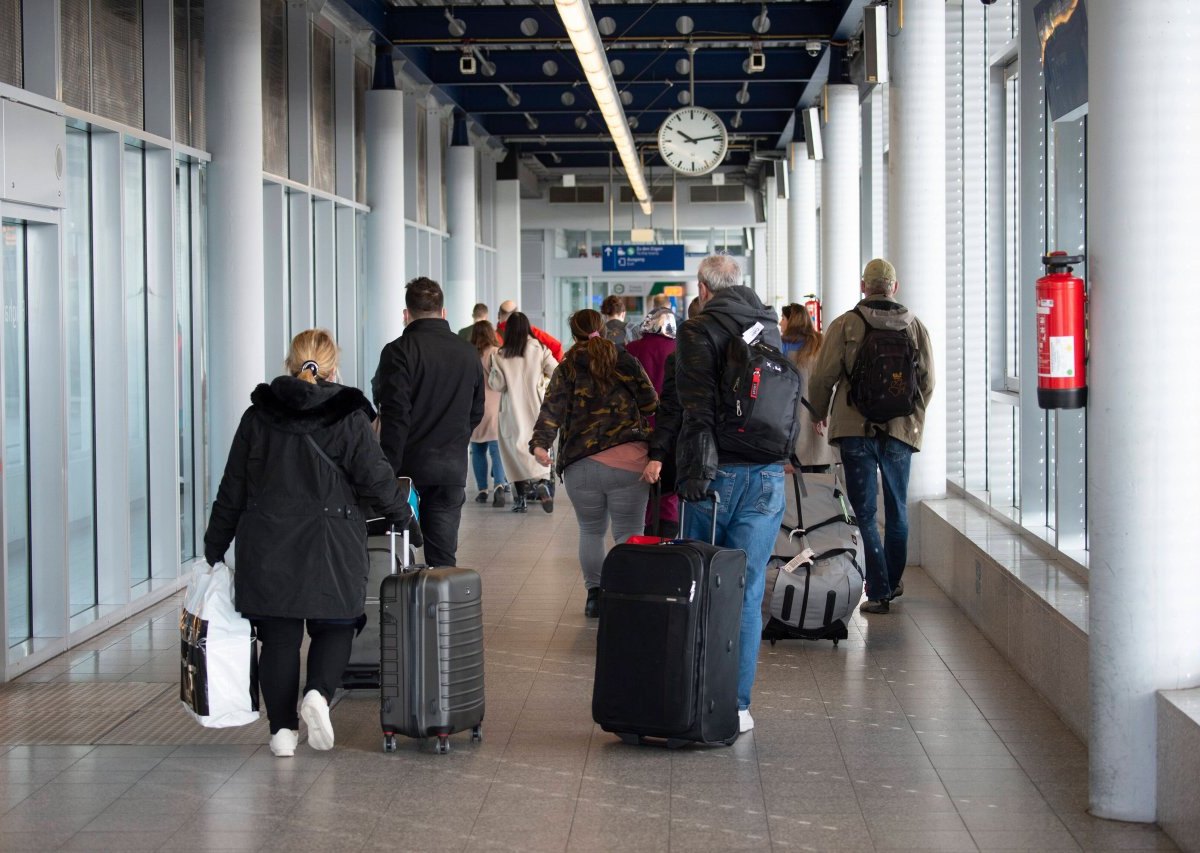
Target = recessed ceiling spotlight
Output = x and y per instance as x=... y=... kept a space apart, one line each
x=606 y=25
x=683 y=66
x=684 y=97
x=684 y=25
x=529 y=27
x=617 y=67
x=627 y=97
x=581 y=122
x=549 y=67
x=568 y=99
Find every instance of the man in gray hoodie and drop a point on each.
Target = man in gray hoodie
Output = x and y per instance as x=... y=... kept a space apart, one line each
x=871 y=450
x=751 y=490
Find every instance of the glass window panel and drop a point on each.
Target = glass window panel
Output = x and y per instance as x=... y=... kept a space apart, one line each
x=16 y=434
x=135 y=360
x=183 y=336
x=81 y=454
x=1012 y=225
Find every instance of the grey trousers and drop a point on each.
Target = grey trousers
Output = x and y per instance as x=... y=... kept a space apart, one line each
x=598 y=493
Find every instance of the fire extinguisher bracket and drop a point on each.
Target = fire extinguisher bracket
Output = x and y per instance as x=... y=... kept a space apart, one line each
x=1062 y=340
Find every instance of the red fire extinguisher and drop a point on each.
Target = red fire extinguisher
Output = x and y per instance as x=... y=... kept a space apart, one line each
x=1061 y=334
x=813 y=306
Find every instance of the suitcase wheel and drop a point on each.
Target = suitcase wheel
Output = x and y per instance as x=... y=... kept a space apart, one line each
x=443 y=744
x=774 y=641
x=389 y=742
x=477 y=733
x=631 y=739
x=835 y=642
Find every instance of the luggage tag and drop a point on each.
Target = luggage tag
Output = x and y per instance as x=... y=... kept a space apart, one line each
x=805 y=556
x=753 y=332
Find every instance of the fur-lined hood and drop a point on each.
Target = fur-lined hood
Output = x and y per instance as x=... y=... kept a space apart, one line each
x=294 y=405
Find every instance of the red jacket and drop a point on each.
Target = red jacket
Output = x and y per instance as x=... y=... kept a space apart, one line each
x=544 y=338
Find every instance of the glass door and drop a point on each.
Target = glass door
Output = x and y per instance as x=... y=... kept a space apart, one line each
x=16 y=433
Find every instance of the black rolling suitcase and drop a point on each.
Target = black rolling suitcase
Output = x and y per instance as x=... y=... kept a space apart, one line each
x=667 y=645
x=431 y=654
x=362 y=671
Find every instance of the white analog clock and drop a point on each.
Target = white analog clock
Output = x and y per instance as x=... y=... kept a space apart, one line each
x=693 y=141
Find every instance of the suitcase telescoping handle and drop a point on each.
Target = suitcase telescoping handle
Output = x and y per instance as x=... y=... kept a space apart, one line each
x=391 y=535
x=716 y=500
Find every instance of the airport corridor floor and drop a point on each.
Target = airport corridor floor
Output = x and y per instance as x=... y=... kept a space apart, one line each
x=914 y=734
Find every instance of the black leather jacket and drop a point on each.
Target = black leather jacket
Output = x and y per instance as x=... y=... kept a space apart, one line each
x=699 y=362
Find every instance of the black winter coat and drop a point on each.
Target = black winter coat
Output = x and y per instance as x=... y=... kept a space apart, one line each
x=667 y=422
x=301 y=535
x=699 y=361
x=429 y=390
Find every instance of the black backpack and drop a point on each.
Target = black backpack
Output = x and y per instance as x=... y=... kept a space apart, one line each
x=883 y=383
x=758 y=393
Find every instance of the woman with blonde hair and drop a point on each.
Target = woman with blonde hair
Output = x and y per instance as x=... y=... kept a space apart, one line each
x=801 y=343
x=519 y=370
x=303 y=461
x=485 y=439
x=599 y=404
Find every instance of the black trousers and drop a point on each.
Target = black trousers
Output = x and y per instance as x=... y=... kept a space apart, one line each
x=441 y=512
x=279 y=664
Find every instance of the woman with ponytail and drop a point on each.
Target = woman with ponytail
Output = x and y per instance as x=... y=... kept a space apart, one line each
x=303 y=461
x=599 y=404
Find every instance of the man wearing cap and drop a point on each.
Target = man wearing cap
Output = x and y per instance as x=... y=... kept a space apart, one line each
x=874 y=451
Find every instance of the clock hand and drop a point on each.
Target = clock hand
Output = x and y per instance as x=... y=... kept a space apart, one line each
x=705 y=138
x=685 y=136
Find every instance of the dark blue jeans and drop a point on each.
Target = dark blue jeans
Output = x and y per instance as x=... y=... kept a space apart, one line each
x=481 y=451
x=865 y=460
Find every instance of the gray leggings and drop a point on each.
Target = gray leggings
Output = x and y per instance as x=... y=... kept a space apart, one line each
x=599 y=492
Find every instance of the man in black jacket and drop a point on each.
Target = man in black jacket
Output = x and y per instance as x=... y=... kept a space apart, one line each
x=429 y=390
x=751 y=493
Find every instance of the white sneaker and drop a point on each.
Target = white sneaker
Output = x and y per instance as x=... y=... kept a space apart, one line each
x=314 y=710
x=745 y=721
x=283 y=743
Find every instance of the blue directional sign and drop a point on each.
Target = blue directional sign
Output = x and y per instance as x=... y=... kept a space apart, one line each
x=642 y=258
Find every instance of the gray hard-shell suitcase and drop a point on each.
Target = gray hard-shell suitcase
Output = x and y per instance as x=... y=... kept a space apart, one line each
x=431 y=654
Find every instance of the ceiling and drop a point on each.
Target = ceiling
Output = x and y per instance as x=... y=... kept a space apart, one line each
x=555 y=124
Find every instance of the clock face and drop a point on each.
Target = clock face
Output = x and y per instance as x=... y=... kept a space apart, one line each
x=693 y=141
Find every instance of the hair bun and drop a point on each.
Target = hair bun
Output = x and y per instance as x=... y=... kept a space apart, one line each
x=311 y=366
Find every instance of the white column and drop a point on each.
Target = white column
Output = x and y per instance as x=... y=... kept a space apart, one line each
x=840 y=272
x=385 y=235
x=1142 y=184
x=236 y=309
x=508 y=238
x=802 y=224
x=459 y=285
x=917 y=216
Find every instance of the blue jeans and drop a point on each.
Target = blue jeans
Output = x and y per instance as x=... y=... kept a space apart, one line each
x=748 y=517
x=480 y=451
x=862 y=458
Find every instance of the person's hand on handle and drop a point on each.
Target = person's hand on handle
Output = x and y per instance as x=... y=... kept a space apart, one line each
x=695 y=489
x=652 y=471
x=819 y=426
x=542 y=455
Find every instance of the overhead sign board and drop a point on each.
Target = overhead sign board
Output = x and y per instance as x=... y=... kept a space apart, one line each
x=642 y=258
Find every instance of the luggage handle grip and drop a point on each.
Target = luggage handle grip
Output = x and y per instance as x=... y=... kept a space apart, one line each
x=716 y=500
x=391 y=535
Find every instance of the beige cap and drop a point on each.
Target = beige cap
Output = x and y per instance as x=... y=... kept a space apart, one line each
x=879 y=270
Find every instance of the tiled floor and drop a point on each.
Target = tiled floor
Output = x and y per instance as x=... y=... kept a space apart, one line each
x=913 y=735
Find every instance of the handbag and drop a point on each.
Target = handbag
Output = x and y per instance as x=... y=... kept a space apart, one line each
x=218 y=667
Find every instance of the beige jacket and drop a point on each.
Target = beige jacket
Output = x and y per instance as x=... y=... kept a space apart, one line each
x=522 y=383
x=836 y=360
x=489 y=427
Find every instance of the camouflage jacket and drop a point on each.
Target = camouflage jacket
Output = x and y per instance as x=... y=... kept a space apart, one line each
x=588 y=419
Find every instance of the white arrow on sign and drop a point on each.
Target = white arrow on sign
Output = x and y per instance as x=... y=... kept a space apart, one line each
x=608 y=250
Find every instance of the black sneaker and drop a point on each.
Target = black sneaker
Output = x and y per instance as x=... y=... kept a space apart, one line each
x=498 y=496
x=898 y=591
x=482 y=497
x=519 y=503
x=591 y=607
x=543 y=495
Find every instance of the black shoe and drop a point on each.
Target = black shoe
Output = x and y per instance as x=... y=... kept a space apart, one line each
x=898 y=591
x=543 y=494
x=498 y=497
x=519 y=503
x=482 y=497
x=874 y=607
x=591 y=608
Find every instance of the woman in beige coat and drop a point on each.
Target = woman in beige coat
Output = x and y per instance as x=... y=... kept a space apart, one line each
x=485 y=442
x=520 y=370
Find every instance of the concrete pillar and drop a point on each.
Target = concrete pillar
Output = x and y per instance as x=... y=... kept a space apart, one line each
x=236 y=295
x=1142 y=487
x=508 y=238
x=802 y=224
x=460 y=283
x=385 y=234
x=917 y=215
x=840 y=271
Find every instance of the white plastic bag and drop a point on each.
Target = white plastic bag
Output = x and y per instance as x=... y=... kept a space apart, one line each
x=218 y=676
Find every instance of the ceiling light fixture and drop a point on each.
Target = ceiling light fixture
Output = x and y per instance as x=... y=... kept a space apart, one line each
x=456 y=26
x=514 y=100
x=761 y=22
x=736 y=121
x=531 y=121
x=549 y=67
x=743 y=97
x=568 y=99
x=581 y=27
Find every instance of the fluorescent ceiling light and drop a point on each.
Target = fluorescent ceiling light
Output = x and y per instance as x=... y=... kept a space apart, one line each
x=585 y=37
